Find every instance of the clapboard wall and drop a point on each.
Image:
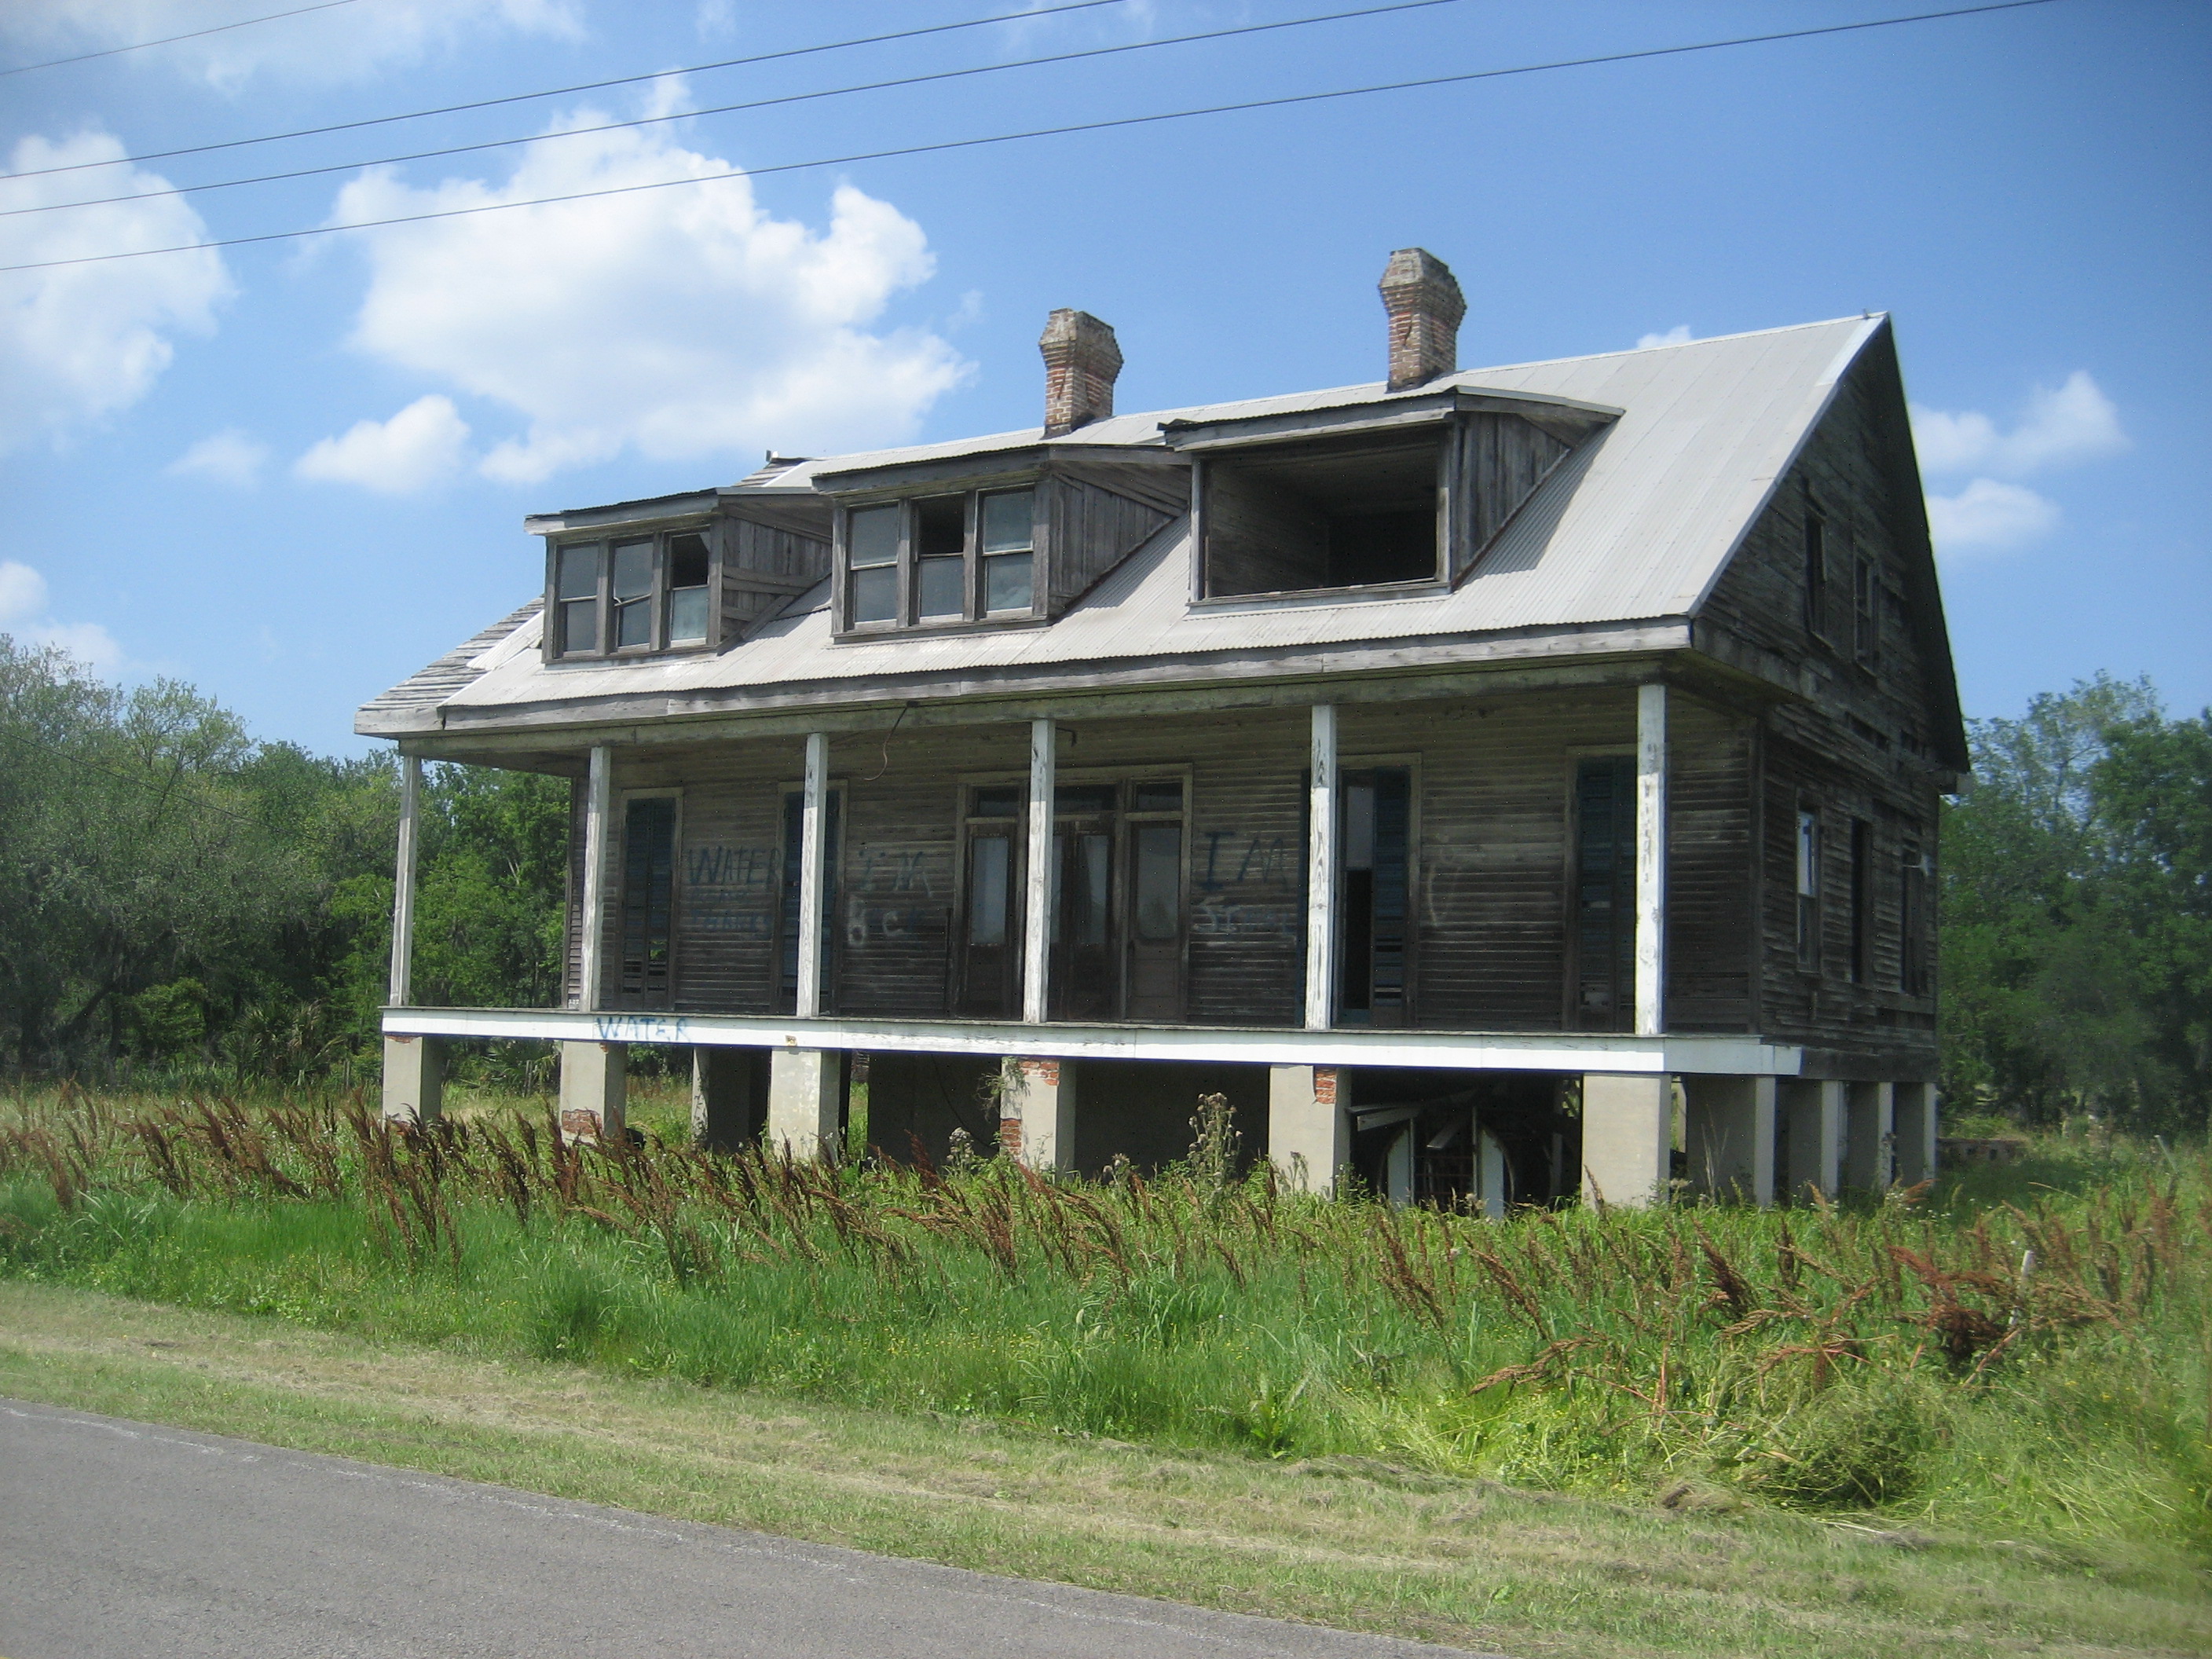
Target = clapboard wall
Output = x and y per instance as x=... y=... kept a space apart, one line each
x=1493 y=780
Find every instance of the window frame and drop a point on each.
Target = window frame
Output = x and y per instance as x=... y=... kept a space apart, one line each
x=1441 y=428
x=643 y=998
x=1816 y=556
x=906 y=617
x=1808 y=878
x=1866 y=611
x=604 y=540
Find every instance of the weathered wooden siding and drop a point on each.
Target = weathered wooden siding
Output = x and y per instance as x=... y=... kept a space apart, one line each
x=1094 y=518
x=1491 y=779
x=1502 y=459
x=1859 y=749
x=763 y=566
x=1711 y=928
x=1259 y=538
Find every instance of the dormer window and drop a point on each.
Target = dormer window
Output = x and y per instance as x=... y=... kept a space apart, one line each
x=1381 y=497
x=941 y=559
x=629 y=595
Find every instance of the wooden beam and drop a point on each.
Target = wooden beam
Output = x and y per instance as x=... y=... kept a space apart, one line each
x=599 y=814
x=1277 y=1045
x=813 y=849
x=1321 y=872
x=402 y=882
x=1037 y=911
x=1651 y=859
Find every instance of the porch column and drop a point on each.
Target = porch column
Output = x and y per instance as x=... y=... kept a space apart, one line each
x=1309 y=1136
x=1036 y=1121
x=1037 y=898
x=594 y=1076
x=813 y=850
x=402 y=882
x=1815 y=1112
x=594 y=1084
x=1870 y=1147
x=1913 y=1115
x=1728 y=1135
x=1321 y=872
x=1651 y=859
x=1628 y=1136
x=807 y=1102
x=599 y=814
x=414 y=1085
x=413 y=1082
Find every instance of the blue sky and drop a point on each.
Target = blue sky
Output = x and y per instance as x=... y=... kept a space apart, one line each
x=292 y=473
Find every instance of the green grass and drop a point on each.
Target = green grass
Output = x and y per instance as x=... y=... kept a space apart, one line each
x=1881 y=1365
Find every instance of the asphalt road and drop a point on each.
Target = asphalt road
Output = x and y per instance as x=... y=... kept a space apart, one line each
x=120 y=1539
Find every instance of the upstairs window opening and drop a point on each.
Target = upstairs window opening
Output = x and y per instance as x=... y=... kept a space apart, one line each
x=632 y=595
x=1339 y=512
x=939 y=560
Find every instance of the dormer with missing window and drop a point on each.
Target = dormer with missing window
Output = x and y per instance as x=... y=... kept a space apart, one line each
x=1387 y=497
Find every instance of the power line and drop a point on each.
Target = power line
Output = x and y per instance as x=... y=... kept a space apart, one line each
x=172 y=39
x=585 y=86
x=944 y=145
x=728 y=109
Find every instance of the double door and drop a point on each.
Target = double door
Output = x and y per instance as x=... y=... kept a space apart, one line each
x=1115 y=901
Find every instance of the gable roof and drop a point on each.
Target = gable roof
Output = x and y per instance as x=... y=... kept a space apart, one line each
x=1633 y=527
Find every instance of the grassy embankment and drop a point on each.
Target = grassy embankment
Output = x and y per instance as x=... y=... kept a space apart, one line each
x=1882 y=1372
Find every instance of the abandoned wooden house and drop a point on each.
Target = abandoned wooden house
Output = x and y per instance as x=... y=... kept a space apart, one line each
x=1502 y=783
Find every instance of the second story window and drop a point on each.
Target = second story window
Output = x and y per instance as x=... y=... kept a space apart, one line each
x=941 y=559
x=632 y=594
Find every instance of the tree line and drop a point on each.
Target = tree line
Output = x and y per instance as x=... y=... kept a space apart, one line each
x=175 y=894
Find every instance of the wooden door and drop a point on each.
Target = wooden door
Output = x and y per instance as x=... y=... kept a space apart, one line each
x=1601 y=972
x=987 y=980
x=1085 y=982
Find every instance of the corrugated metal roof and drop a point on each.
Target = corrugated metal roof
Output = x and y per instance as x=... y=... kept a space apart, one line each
x=1635 y=525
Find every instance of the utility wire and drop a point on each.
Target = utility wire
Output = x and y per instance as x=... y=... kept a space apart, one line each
x=172 y=39
x=585 y=86
x=728 y=109
x=943 y=146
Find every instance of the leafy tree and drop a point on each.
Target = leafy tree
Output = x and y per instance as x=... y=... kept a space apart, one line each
x=2078 y=935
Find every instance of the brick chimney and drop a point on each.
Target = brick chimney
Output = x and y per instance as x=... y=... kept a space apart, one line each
x=1080 y=362
x=1425 y=306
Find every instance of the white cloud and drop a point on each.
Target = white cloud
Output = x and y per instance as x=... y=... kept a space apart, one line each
x=423 y=444
x=1987 y=516
x=2061 y=425
x=22 y=592
x=228 y=456
x=346 y=42
x=676 y=323
x=89 y=642
x=80 y=342
x=1678 y=335
x=24 y=603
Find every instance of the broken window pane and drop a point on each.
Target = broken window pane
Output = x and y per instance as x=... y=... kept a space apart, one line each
x=941 y=527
